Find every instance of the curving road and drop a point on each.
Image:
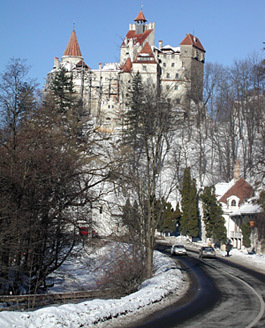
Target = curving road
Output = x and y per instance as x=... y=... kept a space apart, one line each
x=222 y=294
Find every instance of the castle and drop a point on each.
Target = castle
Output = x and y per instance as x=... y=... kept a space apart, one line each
x=175 y=71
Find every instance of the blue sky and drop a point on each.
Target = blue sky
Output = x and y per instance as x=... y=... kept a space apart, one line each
x=39 y=30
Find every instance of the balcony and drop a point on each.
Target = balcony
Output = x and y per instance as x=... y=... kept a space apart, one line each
x=235 y=234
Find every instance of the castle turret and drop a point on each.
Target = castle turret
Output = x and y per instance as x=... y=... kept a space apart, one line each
x=72 y=53
x=192 y=55
x=140 y=23
x=139 y=33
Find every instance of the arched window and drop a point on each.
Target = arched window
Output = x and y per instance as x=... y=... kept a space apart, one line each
x=233 y=203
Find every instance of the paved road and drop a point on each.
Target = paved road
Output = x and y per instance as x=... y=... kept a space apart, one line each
x=223 y=294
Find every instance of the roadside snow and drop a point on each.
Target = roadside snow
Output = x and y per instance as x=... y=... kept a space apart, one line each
x=166 y=280
x=242 y=257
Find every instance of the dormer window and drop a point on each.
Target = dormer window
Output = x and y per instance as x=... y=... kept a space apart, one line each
x=233 y=203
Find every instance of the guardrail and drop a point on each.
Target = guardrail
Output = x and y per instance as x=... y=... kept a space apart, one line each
x=32 y=301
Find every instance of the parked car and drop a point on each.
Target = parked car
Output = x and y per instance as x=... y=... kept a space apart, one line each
x=207 y=252
x=178 y=250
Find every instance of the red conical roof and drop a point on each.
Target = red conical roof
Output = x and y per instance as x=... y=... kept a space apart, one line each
x=140 y=17
x=72 y=48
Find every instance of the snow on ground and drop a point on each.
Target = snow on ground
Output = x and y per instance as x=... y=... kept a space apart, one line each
x=242 y=257
x=166 y=280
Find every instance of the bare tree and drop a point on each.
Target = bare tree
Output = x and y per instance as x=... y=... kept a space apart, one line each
x=49 y=174
x=148 y=131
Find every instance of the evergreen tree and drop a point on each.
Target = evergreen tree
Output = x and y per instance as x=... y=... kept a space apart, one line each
x=213 y=216
x=189 y=222
x=169 y=219
x=62 y=88
x=62 y=99
x=133 y=119
x=260 y=217
x=246 y=231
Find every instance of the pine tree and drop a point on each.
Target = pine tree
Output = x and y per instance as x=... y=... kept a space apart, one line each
x=133 y=119
x=246 y=231
x=213 y=216
x=170 y=218
x=62 y=88
x=189 y=222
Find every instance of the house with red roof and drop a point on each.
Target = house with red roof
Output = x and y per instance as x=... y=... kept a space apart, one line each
x=239 y=207
x=174 y=70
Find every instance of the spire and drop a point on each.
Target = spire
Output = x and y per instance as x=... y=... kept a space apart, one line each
x=72 y=49
x=140 y=18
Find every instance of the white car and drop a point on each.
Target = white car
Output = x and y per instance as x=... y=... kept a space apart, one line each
x=178 y=250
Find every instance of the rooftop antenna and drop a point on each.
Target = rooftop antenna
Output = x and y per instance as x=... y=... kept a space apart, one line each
x=74 y=26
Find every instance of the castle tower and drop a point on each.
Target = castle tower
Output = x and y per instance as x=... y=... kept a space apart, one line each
x=192 y=55
x=72 y=53
x=139 y=33
x=140 y=23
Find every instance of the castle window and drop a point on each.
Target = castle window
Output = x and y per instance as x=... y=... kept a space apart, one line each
x=178 y=101
x=167 y=87
x=164 y=64
x=177 y=75
x=173 y=56
x=165 y=56
x=144 y=67
x=172 y=64
x=176 y=87
x=233 y=203
x=168 y=75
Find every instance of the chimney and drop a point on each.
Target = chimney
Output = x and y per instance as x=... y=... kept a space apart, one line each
x=56 y=64
x=160 y=44
x=100 y=66
x=237 y=170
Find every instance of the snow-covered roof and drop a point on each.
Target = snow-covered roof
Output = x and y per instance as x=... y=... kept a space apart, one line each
x=111 y=66
x=222 y=187
x=169 y=47
x=247 y=209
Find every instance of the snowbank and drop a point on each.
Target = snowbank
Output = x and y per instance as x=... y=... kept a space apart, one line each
x=167 y=279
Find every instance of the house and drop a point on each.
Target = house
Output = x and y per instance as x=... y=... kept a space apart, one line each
x=174 y=70
x=239 y=206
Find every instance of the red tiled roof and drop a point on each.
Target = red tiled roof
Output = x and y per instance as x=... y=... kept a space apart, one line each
x=127 y=67
x=72 y=48
x=145 y=55
x=140 y=38
x=191 y=40
x=140 y=17
x=241 y=189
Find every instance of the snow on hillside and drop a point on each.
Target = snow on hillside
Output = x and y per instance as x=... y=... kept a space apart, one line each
x=167 y=279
